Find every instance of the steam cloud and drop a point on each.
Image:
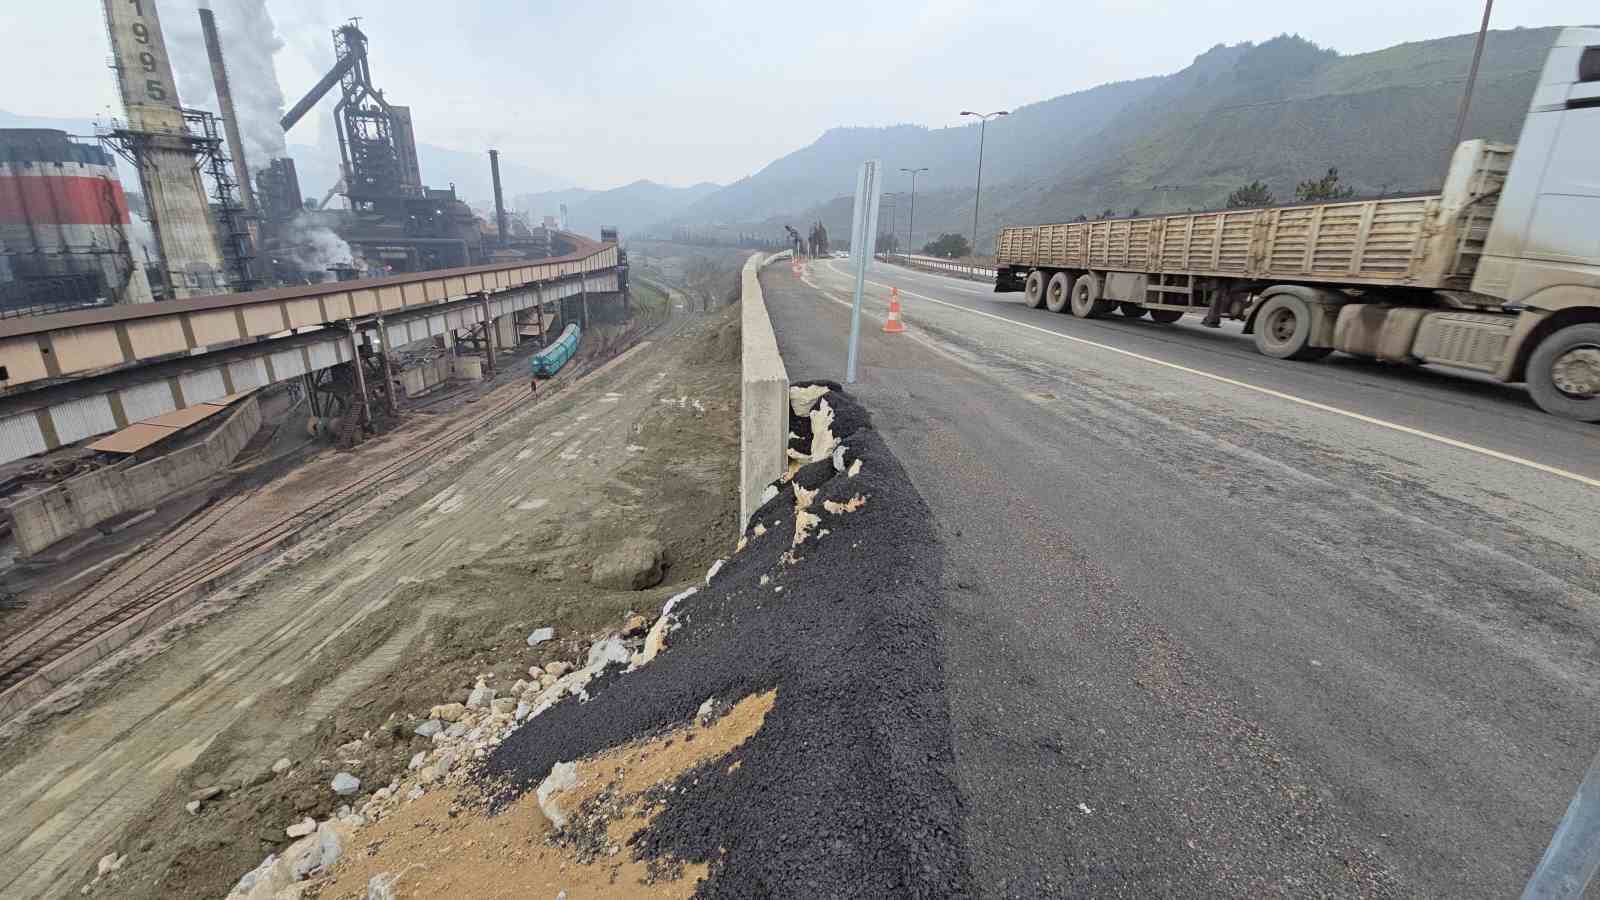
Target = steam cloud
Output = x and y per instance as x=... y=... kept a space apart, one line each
x=250 y=39
x=313 y=247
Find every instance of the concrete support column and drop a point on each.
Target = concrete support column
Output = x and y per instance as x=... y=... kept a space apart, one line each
x=363 y=414
x=538 y=294
x=583 y=300
x=488 y=336
x=390 y=402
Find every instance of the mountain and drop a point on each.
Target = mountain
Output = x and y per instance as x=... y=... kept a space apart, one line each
x=1043 y=137
x=633 y=208
x=1280 y=111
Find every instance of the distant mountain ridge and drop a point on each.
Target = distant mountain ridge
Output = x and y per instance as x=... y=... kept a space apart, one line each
x=1280 y=111
x=630 y=208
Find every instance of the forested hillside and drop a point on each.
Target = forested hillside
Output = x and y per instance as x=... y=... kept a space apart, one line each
x=1280 y=112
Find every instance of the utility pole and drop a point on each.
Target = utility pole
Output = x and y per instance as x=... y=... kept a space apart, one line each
x=1472 y=77
x=977 y=195
x=911 y=221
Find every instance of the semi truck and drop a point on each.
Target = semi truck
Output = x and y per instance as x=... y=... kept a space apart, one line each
x=1498 y=272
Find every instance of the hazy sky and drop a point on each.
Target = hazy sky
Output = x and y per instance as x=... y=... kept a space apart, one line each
x=603 y=93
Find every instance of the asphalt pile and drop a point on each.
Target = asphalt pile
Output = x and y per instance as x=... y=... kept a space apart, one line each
x=847 y=786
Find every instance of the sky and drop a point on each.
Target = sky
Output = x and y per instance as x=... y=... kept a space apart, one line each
x=606 y=92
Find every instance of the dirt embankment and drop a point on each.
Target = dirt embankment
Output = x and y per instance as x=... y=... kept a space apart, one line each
x=677 y=487
x=791 y=740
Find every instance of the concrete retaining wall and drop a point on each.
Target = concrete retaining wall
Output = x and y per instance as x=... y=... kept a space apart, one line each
x=42 y=519
x=418 y=380
x=763 y=396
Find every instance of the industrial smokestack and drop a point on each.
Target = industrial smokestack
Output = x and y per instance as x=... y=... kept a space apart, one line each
x=159 y=138
x=230 y=119
x=499 y=197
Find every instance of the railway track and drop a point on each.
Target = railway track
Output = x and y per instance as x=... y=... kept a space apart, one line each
x=81 y=623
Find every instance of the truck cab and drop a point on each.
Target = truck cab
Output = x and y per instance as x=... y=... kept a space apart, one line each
x=1542 y=254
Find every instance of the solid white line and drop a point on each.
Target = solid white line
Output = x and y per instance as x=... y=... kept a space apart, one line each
x=1280 y=395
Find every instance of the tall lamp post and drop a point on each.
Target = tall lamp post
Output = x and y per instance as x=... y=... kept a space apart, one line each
x=911 y=221
x=892 y=202
x=1466 y=95
x=977 y=195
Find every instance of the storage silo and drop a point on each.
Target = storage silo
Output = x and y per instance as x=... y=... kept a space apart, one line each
x=63 y=225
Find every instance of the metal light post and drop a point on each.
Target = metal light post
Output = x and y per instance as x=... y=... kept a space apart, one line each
x=911 y=222
x=1472 y=77
x=893 y=202
x=977 y=195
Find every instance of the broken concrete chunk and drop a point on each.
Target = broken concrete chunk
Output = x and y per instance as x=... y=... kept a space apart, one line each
x=822 y=439
x=503 y=705
x=429 y=728
x=557 y=668
x=803 y=397
x=563 y=776
x=635 y=565
x=448 y=712
x=634 y=626
x=301 y=828
x=344 y=784
x=540 y=635
x=480 y=697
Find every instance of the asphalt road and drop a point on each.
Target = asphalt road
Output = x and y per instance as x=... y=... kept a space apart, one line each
x=1216 y=624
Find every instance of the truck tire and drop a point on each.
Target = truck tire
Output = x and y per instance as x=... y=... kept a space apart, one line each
x=1283 y=329
x=1059 y=292
x=1033 y=289
x=1086 y=302
x=1564 y=373
x=1131 y=310
x=1165 y=316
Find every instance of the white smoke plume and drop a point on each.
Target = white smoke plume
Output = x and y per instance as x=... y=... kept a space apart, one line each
x=250 y=40
x=313 y=247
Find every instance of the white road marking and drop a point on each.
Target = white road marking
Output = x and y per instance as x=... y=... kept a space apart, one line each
x=1280 y=395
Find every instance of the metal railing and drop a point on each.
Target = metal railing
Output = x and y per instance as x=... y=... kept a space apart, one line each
x=977 y=273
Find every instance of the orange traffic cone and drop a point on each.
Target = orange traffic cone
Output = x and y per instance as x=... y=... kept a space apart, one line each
x=893 y=323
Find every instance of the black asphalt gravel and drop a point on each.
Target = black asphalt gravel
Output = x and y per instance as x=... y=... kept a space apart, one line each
x=848 y=788
x=1202 y=641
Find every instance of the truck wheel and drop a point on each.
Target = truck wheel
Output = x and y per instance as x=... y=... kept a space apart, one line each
x=1283 y=329
x=1564 y=373
x=1058 y=293
x=1086 y=302
x=1165 y=316
x=1131 y=310
x=1033 y=289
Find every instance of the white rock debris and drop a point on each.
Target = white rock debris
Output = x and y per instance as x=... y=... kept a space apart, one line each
x=540 y=635
x=563 y=776
x=459 y=733
x=803 y=398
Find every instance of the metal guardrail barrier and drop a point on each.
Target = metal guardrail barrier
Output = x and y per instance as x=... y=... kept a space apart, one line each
x=980 y=273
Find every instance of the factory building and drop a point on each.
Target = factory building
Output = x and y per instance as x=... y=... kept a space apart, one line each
x=63 y=226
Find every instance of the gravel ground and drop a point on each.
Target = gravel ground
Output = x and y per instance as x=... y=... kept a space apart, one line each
x=395 y=615
x=847 y=788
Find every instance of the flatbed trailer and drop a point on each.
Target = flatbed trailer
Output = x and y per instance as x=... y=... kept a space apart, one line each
x=1497 y=273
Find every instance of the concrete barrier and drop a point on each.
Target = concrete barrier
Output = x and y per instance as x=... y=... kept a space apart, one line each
x=42 y=519
x=763 y=396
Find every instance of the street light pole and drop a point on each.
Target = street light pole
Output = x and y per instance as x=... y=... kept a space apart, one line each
x=977 y=195
x=912 y=221
x=1472 y=77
